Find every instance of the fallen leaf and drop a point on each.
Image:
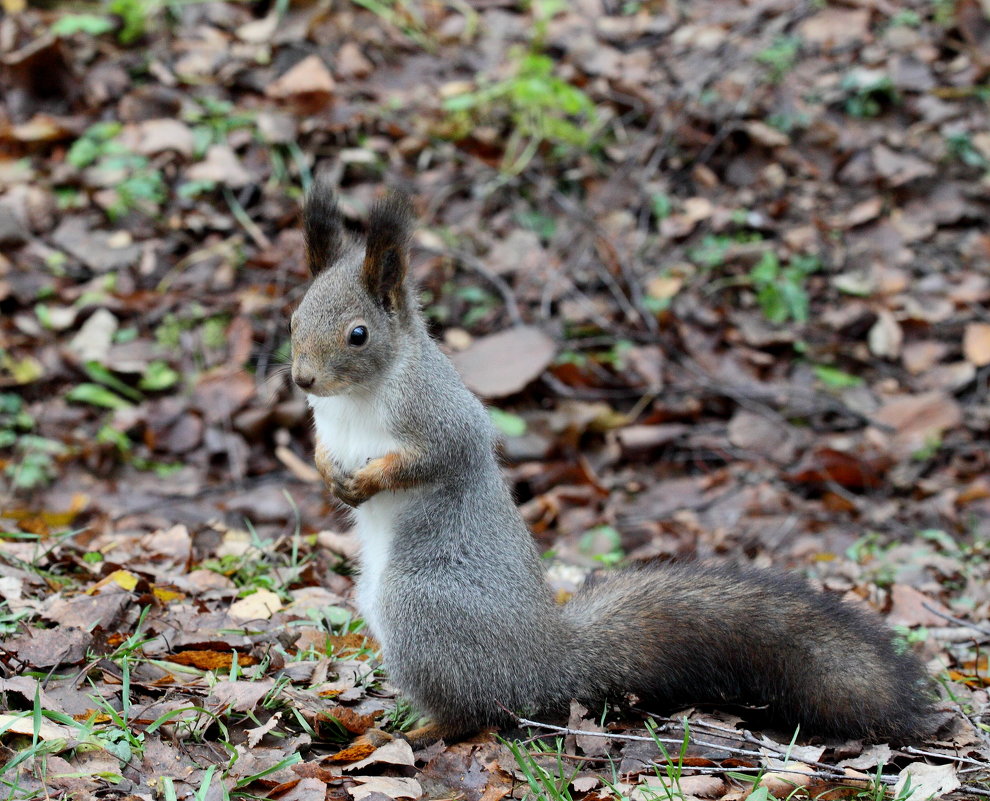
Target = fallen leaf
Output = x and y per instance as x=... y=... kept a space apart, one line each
x=845 y=469
x=835 y=27
x=209 y=660
x=390 y=786
x=352 y=721
x=24 y=724
x=87 y=611
x=119 y=578
x=976 y=344
x=309 y=77
x=927 y=781
x=505 y=363
x=900 y=168
x=221 y=166
x=916 y=420
x=44 y=648
x=255 y=735
x=351 y=62
x=885 y=336
x=239 y=696
x=159 y=136
x=259 y=605
x=395 y=752
x=92 y=343
x=908 y=608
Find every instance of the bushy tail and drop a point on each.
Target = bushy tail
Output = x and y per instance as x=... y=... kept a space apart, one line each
x=677 y=635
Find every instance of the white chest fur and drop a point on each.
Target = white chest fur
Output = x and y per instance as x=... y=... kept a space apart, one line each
x=352 y=431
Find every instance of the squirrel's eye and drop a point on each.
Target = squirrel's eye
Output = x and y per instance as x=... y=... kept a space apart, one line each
x=358 y=336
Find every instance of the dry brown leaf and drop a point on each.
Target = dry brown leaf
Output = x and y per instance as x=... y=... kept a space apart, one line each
x=24 y=724
x=395 y=752
x=916 y=420
x=835 y=27
x=44 y=648
x=159 y=136
x=976 y=344
x=908 y=608
x=221 y=166
x=505 y=363
x=309 y=77
x=237 y=696
x=363 y=747
x=352 y=721
x=900 y=168
x=885 y=336
x=845 y=469
x=209 y=660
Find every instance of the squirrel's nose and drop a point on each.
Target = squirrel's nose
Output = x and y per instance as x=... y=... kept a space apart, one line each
x=304 y=381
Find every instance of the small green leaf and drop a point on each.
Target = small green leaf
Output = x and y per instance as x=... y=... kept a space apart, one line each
x=102 y=375
x=93 y=24
x=835 y=378
x=83 y=152
x=767 y=269
x=512 y=425
x=97 y=395
x=157 y=377
x=462 y=102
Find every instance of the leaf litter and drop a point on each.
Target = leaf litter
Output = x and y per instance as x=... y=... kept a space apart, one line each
x=750 y=289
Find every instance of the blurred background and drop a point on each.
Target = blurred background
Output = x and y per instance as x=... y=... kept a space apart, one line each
x=721 y=269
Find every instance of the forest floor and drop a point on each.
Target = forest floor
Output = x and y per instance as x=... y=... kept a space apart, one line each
x=720 y=269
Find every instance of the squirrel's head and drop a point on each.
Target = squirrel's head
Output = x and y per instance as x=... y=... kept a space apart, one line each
x=356 y=313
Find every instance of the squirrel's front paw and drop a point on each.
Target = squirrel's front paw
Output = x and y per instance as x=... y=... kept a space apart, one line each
x=341 y=484
x=350 y=490
x=365 y=483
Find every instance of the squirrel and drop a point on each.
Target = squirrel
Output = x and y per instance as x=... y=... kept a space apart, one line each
x=451 y=583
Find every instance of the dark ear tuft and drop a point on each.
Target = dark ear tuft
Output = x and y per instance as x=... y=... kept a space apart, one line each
x=324 y=227
x=386 y=259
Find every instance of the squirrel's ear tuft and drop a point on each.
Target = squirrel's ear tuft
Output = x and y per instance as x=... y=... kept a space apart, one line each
x=324 y=227
x=386 y=259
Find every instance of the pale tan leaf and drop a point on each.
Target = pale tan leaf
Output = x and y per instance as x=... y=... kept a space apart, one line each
x=310 y=76
x=259 y=605
x=391 y=786
x=976 y=344
x=927 y=781
x=394 y=752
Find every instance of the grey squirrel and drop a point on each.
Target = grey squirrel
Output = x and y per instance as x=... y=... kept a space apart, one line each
x=451 y=583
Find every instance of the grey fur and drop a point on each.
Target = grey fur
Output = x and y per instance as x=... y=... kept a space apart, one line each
x=469 y=629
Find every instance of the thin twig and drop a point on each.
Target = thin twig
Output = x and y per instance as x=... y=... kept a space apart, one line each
x=474 y=263
x=958 y=621
x=953 y=757
x=824 y=772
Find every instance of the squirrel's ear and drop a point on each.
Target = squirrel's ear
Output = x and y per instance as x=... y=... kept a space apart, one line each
x=324 y=227
x=386 y=259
